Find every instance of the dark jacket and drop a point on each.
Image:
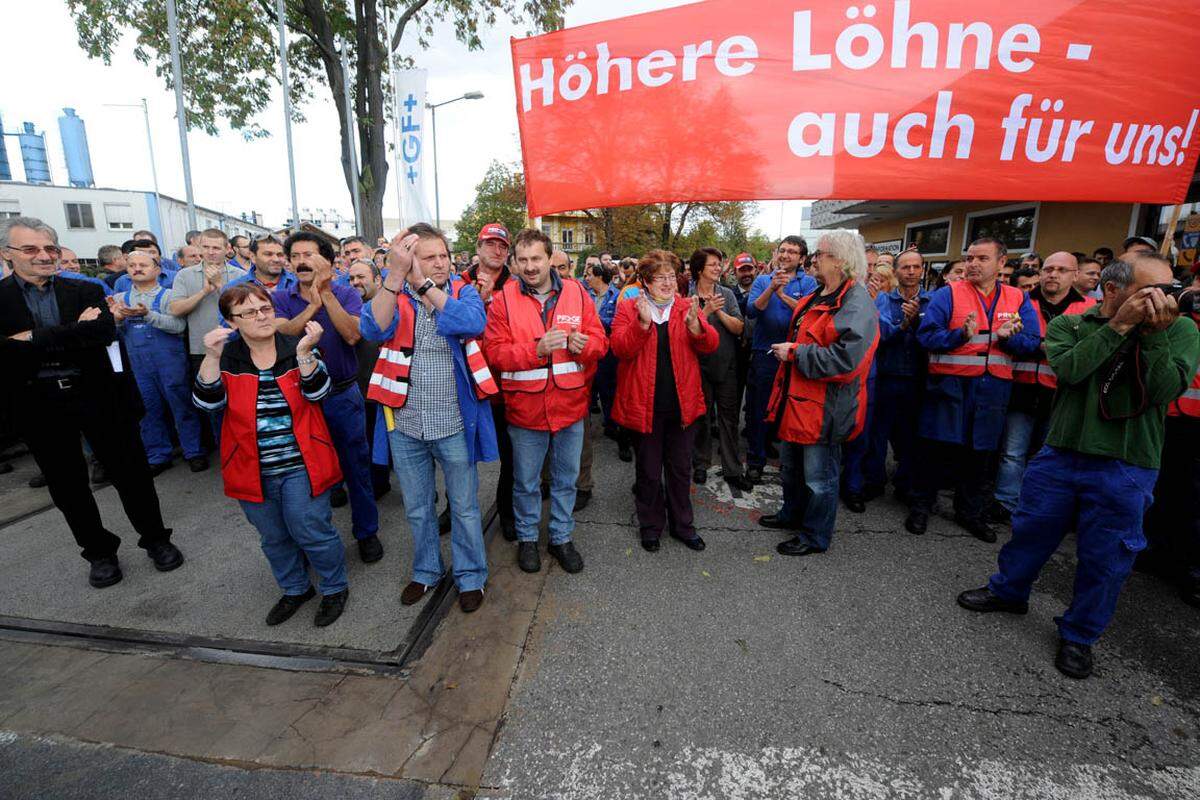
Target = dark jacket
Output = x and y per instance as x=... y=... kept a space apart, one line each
x=74 y=345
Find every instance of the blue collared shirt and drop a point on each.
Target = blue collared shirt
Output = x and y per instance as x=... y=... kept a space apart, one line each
x=339 y=357
x=772 y=322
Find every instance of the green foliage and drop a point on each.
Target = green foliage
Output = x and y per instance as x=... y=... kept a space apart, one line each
x=499 y=197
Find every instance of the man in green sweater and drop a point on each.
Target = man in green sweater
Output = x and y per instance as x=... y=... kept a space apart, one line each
x=1119 y=365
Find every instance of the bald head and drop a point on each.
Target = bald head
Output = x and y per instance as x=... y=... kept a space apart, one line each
x=560 y=261
x=1058 y=275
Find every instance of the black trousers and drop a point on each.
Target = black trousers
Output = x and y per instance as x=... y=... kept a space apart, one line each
x=968 y=469
x=664 y=460
x=504 y=488
x=1173 y=524
x=720 y=396
x=51 y=424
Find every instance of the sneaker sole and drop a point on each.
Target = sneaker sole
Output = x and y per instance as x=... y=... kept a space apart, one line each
x=1017 y=610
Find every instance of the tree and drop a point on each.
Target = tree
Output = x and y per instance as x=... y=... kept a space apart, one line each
x=499 y=197
x=230 y=59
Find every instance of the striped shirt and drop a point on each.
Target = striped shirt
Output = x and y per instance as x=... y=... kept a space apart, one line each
x=278 y=451
x=432 y=411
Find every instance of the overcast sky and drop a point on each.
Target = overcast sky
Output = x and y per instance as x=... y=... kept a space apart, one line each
x=45 y=70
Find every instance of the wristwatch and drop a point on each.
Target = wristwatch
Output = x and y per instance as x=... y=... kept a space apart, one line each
x=425 y=287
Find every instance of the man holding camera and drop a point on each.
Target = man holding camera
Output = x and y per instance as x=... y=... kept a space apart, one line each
x=1118 y=365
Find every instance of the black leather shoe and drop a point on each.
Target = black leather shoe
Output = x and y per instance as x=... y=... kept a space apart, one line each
x=1074 y=660
x=774 y=522
x=331 y=608
x=370 y=549
x=854 y=503
x=444 y=522
x=754 y=474
x=105 y=572
x=983 y=601
x=528 y=557
x=976 y=527
x=797 y=546
x=699 y=476
x=581 y=500
x=156 y=469
x=916 y=522
x=470 y=601
x=625 y=453
x=165 y=556
x=695 y=543
x=198 y=464
x=740 y=483
x=37 y=481
x=338 y=497
x=508 y=529
x=288 y=605
x=567 y=556
x=650 y=545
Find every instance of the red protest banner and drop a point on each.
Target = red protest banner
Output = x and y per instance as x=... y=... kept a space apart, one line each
x=1074 y=100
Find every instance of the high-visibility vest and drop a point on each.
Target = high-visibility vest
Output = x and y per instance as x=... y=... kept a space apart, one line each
x=1188 y=403
x=390 y=377
x=525 y=323
x=1038 y=370
x=981 y=353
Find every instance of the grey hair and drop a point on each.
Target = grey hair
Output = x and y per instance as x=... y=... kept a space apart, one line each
x=848 y=248
x=29 y=223
x=1117 y=272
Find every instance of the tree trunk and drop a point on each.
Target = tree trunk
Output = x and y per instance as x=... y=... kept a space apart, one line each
x=369 y=113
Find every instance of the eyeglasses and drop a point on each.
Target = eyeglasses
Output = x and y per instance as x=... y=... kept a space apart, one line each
x=254 y=313
x=664 y=278
x=31 y=250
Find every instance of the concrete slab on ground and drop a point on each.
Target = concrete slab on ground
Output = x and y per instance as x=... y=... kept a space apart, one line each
x=739 y=673
x=225 y=587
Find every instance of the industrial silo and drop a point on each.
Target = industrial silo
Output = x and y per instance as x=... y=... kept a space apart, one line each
x=5 y=170
x=75 y=148
x=33 y=154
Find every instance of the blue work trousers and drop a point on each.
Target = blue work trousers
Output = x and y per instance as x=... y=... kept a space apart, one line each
x=809 y=474
x=292 y=525
x=345 y=414
x=893 y=419
x=854 y=453
x=414 y=463
x=763 y=367
x=605 y=386
x=529 y=453
x=1023 y=434
x=160 y=367
x=1103 y=499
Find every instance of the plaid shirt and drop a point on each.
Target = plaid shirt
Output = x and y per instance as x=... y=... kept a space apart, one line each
x=431 y=411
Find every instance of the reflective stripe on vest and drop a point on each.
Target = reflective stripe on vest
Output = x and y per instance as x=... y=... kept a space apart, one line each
x=1039 y=371
x=525 y=324
x=981 y=352
x=390 y=378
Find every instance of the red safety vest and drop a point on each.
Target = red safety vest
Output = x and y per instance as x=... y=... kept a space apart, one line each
x=1188 y=403
x=981 y=353
x=525 y=322
x=1038 y=370
x=389 y=379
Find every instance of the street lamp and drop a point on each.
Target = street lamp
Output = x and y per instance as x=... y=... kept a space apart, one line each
x=433 y=107
x=150 y=146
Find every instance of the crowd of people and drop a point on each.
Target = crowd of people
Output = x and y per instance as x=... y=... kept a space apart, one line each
x=1045 y=392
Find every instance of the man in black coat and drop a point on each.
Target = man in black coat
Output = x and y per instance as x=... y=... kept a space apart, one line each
x=64 y=377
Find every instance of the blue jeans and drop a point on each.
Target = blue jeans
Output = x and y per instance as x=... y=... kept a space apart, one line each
x=1104 y=500
x=763 y=367
x=529 y=453
x=345 y=414
x=413 y=460
x=1022 y=433
x=292 y=524
x=810 y=475
x=893 y=419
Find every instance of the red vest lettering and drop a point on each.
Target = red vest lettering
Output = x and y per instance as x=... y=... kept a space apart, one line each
x=525 y=321
x=981 y=353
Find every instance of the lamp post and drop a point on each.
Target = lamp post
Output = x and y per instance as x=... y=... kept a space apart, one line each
x=150 y=147
x=433 y=107
x=180 y=112
x=281 y=13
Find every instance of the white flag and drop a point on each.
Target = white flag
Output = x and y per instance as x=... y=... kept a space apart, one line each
x=410 y=147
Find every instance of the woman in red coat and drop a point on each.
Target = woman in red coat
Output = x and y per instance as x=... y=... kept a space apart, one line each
x=656 y=338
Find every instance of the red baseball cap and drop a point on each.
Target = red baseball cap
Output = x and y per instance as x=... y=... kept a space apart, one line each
x=494 y=230
x=743 y=259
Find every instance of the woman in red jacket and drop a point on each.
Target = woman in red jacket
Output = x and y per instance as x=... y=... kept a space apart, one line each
x=656 y=337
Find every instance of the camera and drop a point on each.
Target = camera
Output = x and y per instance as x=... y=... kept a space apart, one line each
x=1187 y=297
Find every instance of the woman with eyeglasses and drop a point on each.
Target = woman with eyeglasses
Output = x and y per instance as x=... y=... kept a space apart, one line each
x=277 y=457
x=657 y=338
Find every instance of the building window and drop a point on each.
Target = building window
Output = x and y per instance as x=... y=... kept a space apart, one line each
x=546 y=228
x=932 y=237
x=589 y=236
x=119 y=216
x=1016 y=226
x=10 y=208
x=79 y=216
x=568 y=236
